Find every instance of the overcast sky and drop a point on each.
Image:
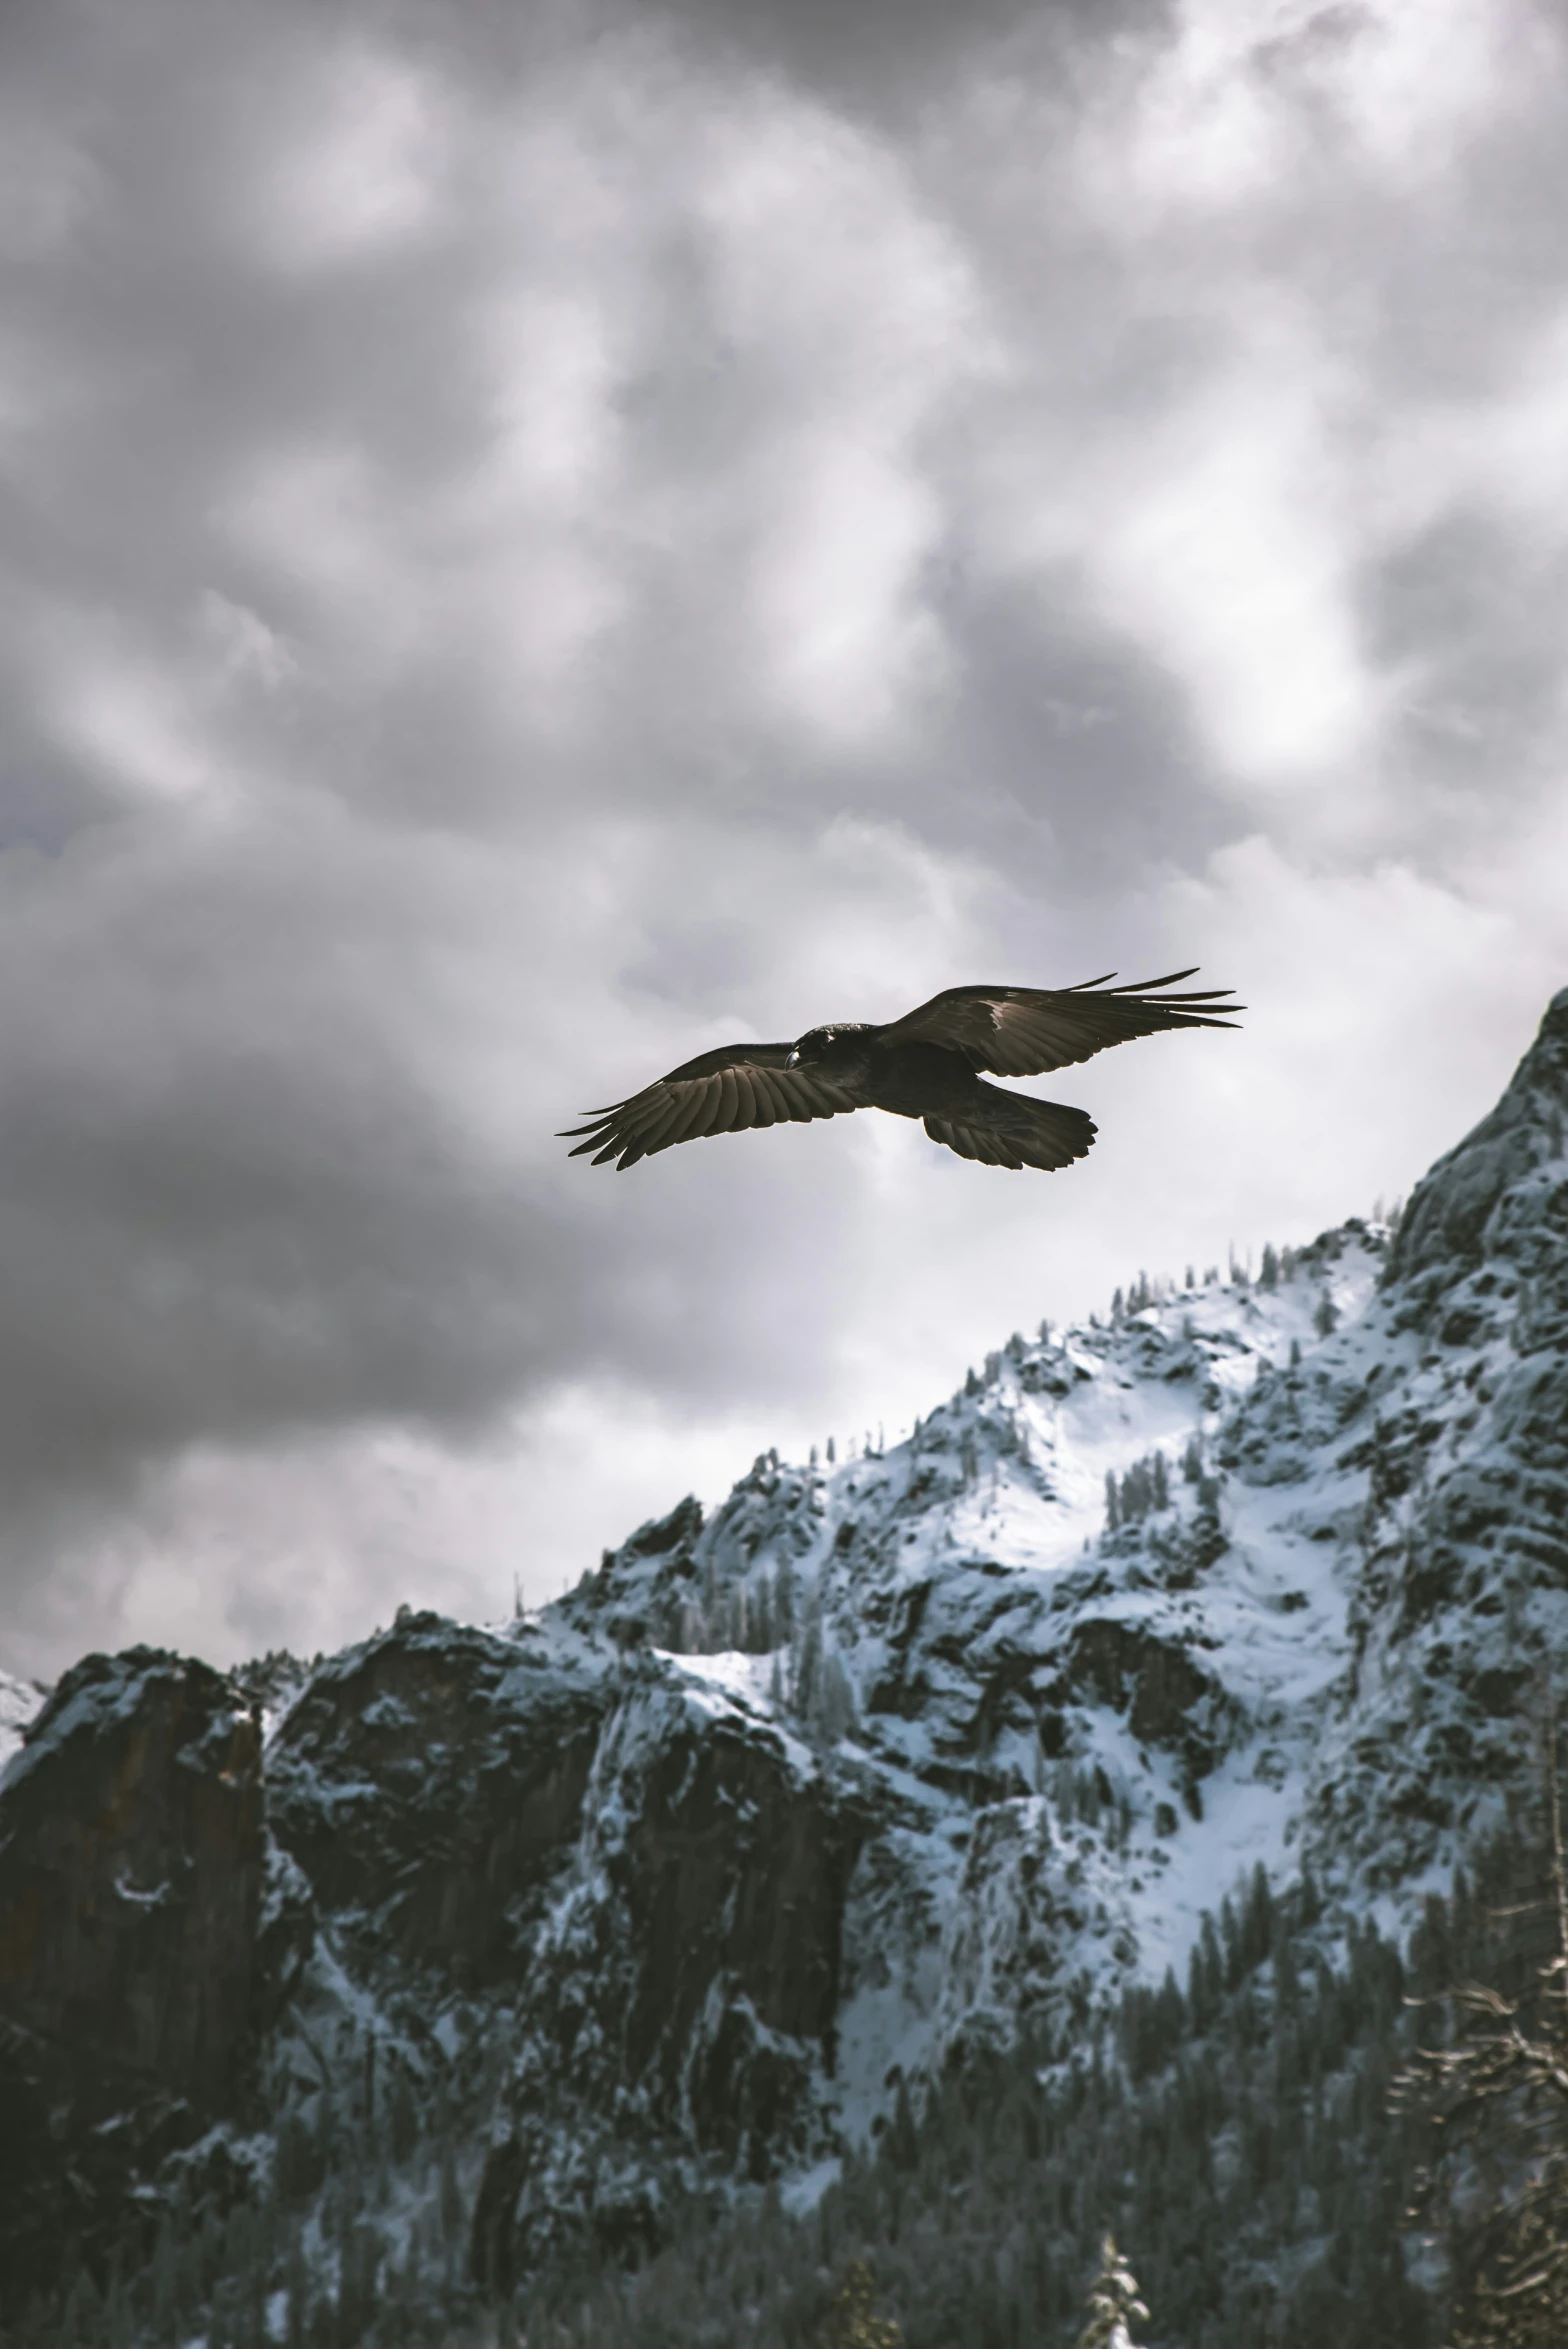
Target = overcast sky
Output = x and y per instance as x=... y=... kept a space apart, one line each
x=537 y=541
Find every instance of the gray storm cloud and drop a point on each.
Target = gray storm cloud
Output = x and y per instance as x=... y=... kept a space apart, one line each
x=529 y=553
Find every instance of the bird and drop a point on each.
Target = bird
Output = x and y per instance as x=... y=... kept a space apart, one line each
x=925 y=1065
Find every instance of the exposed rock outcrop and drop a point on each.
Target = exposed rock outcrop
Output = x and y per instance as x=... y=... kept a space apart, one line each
x=132 y=1870
x=429 y=1784
x=1496 y=1198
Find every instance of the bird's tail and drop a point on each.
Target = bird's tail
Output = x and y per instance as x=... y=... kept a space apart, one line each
x=1013 y=1129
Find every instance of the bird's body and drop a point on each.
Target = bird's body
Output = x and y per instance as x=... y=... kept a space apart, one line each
x=924 y=1066
x=907 y=1079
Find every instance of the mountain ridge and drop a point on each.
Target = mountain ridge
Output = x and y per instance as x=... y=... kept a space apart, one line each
x=886 y=1763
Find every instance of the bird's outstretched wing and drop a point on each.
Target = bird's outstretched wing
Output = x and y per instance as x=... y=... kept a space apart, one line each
x=1011 y=1129
x=717 y=1093
x=1024 y=1031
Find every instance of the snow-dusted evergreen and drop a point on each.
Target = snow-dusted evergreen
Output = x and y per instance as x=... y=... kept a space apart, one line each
x=1114 y=2305
x=1176 y=1660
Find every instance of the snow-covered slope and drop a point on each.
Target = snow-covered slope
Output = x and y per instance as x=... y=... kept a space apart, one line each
x=1339 y=1563
x=19 y=1701
x=1066 y=1740
x=684 y=1877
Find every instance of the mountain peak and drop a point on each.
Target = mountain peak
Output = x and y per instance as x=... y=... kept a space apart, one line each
x=1488 y=1196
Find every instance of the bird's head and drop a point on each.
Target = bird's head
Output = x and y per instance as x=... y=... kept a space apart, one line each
x=812 y=1048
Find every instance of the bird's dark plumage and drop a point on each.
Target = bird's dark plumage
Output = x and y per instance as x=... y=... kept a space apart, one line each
x=925 y=1065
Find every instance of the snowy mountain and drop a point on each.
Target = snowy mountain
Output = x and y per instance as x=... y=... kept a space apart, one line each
x=19 y=1701
x=692 y=1877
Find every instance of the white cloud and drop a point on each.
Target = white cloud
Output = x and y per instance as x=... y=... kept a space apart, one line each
x=1231 y=548
x=1249 y=100
x=355 y=162
x=1412 y=86
x=854 y=318
x=1192 y=127
x=1501 y=449
x=554 y=433
x=123 y=708
x=837 y=619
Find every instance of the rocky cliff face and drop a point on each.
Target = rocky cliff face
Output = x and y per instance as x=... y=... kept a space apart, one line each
x=681 y=1881
x=427 y=1785
x=132 y=1867
x=1460 y=1601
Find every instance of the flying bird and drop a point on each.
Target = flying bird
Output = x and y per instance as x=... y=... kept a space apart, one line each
x=924 y=1065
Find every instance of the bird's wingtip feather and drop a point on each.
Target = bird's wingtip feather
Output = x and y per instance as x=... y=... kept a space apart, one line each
x=1143 y=986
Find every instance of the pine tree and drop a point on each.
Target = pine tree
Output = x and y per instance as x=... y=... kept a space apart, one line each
x=1495 y=2104
x=853 y=2322
x=784 y=1602
x=452 y=2212
x=833 y=1703
x=163 y=2278
x=806 y=1664
x=298 y=2286
x=1114 y=2305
